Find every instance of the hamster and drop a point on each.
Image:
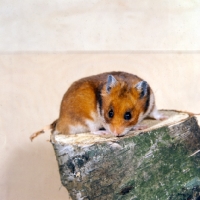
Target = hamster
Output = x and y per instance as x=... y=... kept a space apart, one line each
x=108 y=103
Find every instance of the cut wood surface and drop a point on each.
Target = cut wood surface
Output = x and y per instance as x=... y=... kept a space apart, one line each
x=161 y=162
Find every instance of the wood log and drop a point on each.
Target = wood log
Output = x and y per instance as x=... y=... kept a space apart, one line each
x=161 y=162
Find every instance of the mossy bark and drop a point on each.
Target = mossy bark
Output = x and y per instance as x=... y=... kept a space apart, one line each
x=159 y=163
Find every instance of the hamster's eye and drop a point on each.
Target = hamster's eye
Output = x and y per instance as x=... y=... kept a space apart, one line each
x=127 y=116
x=111 y=113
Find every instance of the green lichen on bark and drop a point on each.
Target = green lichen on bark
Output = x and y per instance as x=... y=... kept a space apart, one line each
x=153 y=165
x=164 y=173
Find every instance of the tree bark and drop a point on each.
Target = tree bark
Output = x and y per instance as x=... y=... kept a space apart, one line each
x=161 y=162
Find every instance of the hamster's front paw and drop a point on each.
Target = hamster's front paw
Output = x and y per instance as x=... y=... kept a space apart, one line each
x=100 y=132
x=161 y=117
x=139 y=127
x=155 y=114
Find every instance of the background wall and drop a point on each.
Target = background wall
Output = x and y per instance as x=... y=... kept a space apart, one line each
x=45 y=46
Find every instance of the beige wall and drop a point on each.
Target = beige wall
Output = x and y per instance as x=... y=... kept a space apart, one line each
x=40 y=56
x=64 y=25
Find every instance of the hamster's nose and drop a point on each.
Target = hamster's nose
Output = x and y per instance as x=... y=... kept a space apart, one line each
x=117 y=132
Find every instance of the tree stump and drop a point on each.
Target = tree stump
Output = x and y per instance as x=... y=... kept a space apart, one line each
x=161 y=162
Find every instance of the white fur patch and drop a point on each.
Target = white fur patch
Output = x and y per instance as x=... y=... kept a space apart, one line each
x=77 y=129
x=151 y=105
x=141 y=117
x=92 y=125
x=157 y=115
x=95 y=124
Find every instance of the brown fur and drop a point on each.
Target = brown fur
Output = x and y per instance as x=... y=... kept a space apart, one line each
x=81 y=99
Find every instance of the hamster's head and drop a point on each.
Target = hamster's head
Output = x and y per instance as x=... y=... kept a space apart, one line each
x=123 y=104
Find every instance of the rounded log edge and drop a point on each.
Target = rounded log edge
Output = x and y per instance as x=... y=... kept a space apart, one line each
x=82 y=139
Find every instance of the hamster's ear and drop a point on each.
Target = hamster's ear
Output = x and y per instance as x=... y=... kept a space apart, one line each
x=111 y=82
x=143 y=88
